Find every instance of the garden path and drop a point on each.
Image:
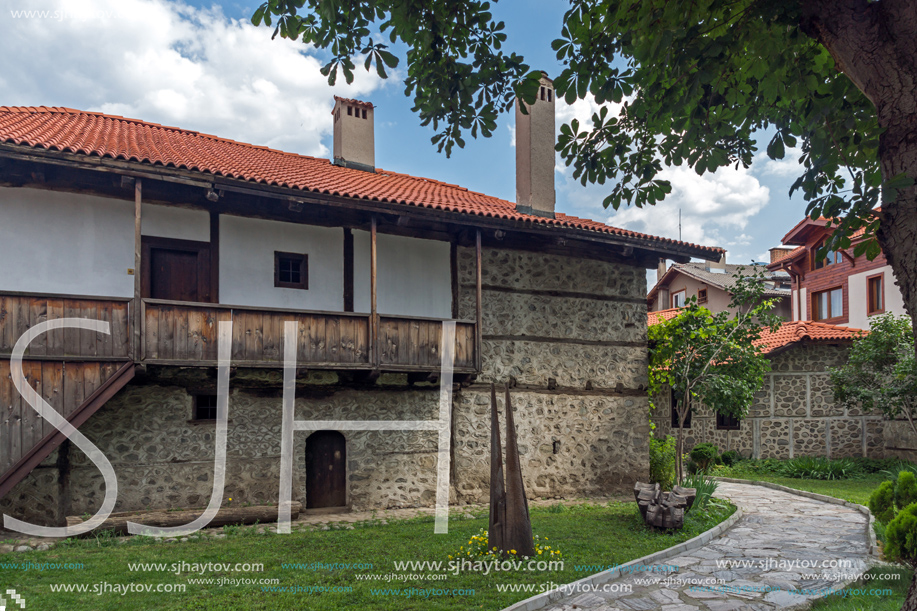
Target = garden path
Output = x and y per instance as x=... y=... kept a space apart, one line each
x=785 y=550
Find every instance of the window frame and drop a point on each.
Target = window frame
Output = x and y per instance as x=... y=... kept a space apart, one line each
x=727 y=423
x=870 y=311
x=303 y=259
x=674 y=414
x=196 y=407
x=833 y=257
x=672 y=298
x=702 y=295
x=831 y=315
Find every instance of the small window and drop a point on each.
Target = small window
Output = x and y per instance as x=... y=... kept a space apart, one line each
x=350 y=111
x=828 y=304
x=727 y=423
x=363 y=111
x=832 y=257
x=205 y=407
x=291 y=271
x=549 y=94
x=875 y=295
x=675 y=401
x=542 y=94
x=678 y=299
x=702 y=296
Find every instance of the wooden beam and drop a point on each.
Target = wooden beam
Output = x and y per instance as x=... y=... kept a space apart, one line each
x=479 y=311
x=43 y=449
x=135 y=304
x=374 y=315
x=348 y=269
x=214 y=256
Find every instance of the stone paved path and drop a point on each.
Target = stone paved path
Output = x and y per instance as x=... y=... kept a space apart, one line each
x=778 y=528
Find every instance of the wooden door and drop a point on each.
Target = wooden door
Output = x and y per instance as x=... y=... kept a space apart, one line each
x=326 y=470
x=176 y=270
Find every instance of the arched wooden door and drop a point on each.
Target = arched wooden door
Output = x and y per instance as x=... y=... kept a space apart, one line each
x=326 y=470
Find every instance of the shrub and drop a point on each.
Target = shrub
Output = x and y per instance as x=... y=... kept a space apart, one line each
x=901 y=536
x=816 y=467
x=705 y=487
x=662 y=461
x=730 y=457
x=905 y=490
x=881 y=465
x=882 y=502
x=705 y=455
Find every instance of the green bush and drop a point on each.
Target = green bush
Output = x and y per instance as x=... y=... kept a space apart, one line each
x=730 y=457
x=901 y=536
x=705 y=455
x=662 y=461
x=816 y=467
x=905 y=490
x=882 y=502
x=881 y=465
x=705 y=487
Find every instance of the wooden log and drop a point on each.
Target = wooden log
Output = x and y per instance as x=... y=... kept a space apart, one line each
x=117 y=522
x=688 y=493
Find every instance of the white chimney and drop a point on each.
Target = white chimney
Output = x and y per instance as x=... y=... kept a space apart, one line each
x=354 y=142
x=535 y=153
x=717 y=267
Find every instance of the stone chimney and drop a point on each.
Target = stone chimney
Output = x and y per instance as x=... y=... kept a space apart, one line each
x=660 y=269
x=535 y=153
x=354 y=142
x=779 y=252
x=717 y=267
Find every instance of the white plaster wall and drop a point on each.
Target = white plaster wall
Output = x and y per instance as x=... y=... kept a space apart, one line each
x=247 y=264
x=857 y=298
x=413 y=276
x=174 y=222
x=66 y=243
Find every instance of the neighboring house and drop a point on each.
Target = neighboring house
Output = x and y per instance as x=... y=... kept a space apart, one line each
x=164 y=232
x=795 y=413
x=840 y=289
x=711 y=283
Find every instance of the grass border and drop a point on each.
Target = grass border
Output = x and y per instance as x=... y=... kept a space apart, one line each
x=540 y=601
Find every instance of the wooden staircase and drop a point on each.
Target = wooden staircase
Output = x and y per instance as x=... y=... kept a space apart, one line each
x=75 y=371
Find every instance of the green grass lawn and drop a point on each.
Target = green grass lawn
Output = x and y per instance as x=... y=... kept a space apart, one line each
x=853 y=490
x=586 y=535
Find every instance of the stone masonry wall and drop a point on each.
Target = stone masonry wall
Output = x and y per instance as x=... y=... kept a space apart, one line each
x=568 y=333
x=793 y=415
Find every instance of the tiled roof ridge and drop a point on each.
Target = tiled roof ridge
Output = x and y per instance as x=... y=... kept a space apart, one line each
x=171 y=151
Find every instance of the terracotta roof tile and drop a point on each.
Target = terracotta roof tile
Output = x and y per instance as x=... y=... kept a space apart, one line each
x=100 y=135
x=801 y=330
x=654 y=318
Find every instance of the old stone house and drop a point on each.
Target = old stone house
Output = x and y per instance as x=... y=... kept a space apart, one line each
x=794 y=414
x=164 y=232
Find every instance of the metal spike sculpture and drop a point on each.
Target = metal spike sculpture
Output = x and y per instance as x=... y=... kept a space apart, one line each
x=510 y=526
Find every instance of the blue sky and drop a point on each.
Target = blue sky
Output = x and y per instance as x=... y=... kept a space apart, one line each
x=201 y=65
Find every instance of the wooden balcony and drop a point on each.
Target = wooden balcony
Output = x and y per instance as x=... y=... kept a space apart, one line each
x=185 y=334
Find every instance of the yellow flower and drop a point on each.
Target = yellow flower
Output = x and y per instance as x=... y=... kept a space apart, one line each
x=539 y=552
x=512 y=551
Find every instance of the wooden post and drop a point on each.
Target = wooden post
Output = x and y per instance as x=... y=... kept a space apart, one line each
x=478 y=331
x=135 y=305
x=374 y=316
x=214 y=256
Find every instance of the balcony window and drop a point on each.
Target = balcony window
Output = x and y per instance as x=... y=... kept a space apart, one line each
x=828 y=304
x=831 y=257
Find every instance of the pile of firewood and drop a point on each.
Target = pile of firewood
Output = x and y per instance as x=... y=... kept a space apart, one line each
x=663 y=509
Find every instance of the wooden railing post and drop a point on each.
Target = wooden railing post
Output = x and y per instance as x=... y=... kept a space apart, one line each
x=478 y=326
x=374 y=315
x=136 y=309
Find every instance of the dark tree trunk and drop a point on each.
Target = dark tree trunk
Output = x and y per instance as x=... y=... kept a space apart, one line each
x=910 y=601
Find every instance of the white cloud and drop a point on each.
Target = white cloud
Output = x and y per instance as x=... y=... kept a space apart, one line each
x=788 y=167
x=170 y=63
x=713 y=206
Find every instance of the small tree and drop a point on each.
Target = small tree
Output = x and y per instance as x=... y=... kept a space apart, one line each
x=880 y=373
x=711 y=358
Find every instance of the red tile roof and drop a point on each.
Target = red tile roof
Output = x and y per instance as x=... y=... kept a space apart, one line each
x=354 y=102
x=805 y=330
x=654 y=318
x=100 y=135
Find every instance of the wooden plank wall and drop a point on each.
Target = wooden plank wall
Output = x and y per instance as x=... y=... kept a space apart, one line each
x=188 y=333
x=406 y=342
x=64 y=386
x=19 y=313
